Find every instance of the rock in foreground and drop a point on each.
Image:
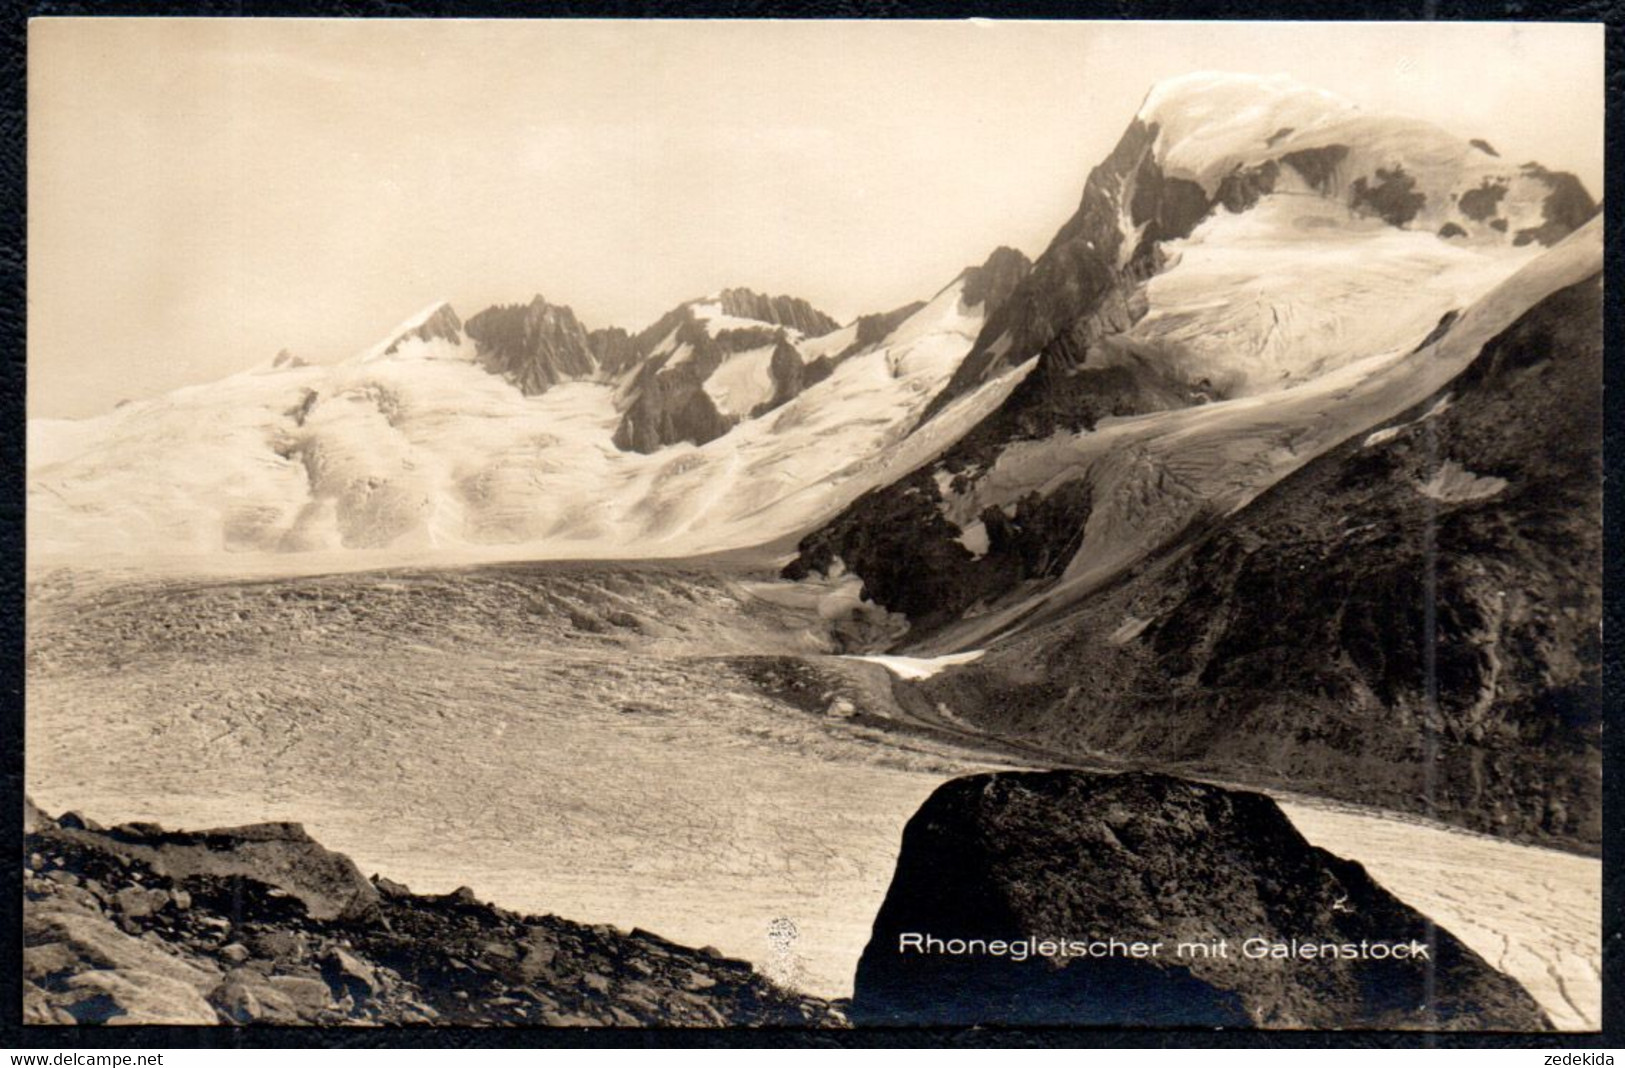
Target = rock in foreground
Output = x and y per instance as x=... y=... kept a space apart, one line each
x=138 y=925
x=1017 y=860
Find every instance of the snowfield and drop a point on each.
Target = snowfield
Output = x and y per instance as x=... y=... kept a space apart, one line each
x=915 y=667
x=1210 y=124
x=1300 y=286
x=397 y=453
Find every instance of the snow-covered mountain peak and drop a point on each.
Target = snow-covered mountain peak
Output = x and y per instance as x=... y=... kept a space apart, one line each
x=436 y=331
x=1240 y=136
x=1248 y=102
x=1260 y=195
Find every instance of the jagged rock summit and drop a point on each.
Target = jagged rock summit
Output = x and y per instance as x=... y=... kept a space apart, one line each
x=1113 y=865
x=538 y=345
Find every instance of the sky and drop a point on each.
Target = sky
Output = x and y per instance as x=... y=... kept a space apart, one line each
x=205 y=193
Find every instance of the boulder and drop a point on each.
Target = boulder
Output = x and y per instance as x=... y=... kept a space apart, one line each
x=33 y=818
x=1045 y=893
x=280 y=857
x=97 y=974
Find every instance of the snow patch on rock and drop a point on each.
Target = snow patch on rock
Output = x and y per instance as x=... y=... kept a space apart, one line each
x=1453 y=482
x=915 y=668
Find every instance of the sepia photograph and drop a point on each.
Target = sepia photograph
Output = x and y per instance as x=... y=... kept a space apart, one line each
x=818 y=524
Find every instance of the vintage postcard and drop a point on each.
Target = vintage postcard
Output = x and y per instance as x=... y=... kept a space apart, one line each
x=814 y=524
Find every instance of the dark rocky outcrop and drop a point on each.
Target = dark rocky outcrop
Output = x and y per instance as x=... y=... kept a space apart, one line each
x=1071 y=288
x=875 y=328
x=872 y=330
x=914 y=560
x=1483 y=203
x=261 y=925
x=1069 y=857
x=790 y=376
x=1318 y=166
x=991 y=284
x=666 y=401
x=777 y=311
x=537 y=345
x=1391 y=195
x=1411 y=620
x=1245 y=186
x=613 y=350
x=1566 y=208
x=911 y=557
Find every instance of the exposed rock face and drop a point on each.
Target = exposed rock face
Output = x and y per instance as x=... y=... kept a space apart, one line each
x=776 y=311
x=1068 y=294
x=1391 y=195
x=991 y=284
x=1073 y=857
x=613 y=351
x=1318 y=166
x=790 y=376
x=873 y=329
x=914 y=561
x=260 y=925
x=1566 y=208
x=538 y=345
x=1411 y=620
x=666 y=401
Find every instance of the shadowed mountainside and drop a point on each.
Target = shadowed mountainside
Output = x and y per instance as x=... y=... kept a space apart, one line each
x=1411 y=620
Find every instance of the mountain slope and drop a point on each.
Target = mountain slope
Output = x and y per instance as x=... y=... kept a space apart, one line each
x=1411 y=620
x=1252 y=312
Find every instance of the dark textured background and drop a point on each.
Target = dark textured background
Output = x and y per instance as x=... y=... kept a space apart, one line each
x=13 y=62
